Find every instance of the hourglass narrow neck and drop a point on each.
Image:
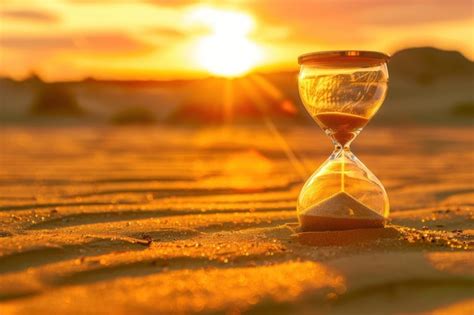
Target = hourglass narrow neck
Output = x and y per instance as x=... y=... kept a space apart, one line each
x=339 y=148
x=340 y=152
x=342 y=140
x=342 y=128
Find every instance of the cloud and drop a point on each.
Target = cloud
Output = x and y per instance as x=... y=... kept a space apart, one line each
x=108 y=43
x=30 y=15
x=164 y=3
x=111 y=43
x=92 y=1
x=170 y=34
x=351 y=21
x=166 y=32
x=387 y=12
x=413 y=13
x=173 y=3
x=36 y=43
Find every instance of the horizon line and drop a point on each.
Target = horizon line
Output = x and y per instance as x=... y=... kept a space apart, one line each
x=198 y=75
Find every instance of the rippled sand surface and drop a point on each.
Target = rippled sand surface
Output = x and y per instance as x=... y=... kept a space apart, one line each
x=156 y=220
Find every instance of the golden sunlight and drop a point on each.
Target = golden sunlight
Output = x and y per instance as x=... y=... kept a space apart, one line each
x=227 y=50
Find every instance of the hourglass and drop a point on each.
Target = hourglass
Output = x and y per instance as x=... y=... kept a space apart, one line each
x=342 y=91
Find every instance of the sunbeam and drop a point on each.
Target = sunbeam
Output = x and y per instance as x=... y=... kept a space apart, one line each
x=228 y=100
x=261 y=105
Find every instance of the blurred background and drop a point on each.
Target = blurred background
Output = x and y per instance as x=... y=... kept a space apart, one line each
x=187 y=62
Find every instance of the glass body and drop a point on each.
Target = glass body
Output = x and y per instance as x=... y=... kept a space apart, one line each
x=342 y=91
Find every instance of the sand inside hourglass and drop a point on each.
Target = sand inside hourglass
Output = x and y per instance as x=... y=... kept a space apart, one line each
x=340 y=212
x=342 y=126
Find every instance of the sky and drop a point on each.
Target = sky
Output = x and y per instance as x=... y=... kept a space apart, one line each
x=169 y=39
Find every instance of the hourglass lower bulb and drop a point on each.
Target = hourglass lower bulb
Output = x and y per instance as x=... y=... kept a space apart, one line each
x=342 y=90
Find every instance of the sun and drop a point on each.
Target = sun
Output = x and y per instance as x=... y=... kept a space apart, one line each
x=227 y=56
x=227 y=50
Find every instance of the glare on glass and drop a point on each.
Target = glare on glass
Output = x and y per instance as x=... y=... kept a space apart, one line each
x=342 y=91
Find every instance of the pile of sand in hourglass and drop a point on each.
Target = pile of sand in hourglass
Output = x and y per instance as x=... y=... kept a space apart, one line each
x=340 y=211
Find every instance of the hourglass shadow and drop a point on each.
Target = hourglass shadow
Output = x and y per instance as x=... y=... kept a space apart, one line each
x=343 y=237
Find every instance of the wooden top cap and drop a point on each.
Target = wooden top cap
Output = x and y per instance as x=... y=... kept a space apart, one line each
x=344 y=58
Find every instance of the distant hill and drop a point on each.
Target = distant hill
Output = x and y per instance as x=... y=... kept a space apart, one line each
x=55 y=99
x=426 y=64
x=427 y=86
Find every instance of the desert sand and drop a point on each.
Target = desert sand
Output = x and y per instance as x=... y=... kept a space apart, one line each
x=175 y=221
